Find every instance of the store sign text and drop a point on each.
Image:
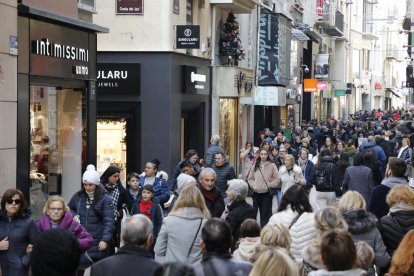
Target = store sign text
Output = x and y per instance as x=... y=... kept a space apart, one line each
x=111 y=76
x=45 y=48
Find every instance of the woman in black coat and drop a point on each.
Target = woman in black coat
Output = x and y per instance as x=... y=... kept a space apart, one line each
x=400 y=220
x=18 y=232
x=92 y=207
x=238 y=209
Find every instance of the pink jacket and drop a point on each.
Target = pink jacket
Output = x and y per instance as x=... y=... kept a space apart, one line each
x=270 y=176
x=85 y=240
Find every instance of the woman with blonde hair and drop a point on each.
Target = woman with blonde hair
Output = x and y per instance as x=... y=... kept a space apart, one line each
x=56 y=215
x=362 y=225
x=328 y=219
x=290 y=173
x=180 y=234
x=275 y=262
x=402 y=263
x=400 y=219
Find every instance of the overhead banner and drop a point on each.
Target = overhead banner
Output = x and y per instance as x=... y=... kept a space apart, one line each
x=322 y=66
x=270 y=96
x=274 y=49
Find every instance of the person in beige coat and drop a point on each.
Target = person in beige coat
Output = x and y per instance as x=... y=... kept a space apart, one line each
x=264 y=175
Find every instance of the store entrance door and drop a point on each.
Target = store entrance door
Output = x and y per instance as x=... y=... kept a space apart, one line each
x=111 y=145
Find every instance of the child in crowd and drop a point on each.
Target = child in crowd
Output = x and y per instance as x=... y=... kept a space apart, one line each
x=249 y=239
x=133 y=182
x=145 y=205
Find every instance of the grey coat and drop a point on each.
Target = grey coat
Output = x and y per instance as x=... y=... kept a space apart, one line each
x=359 y=178
x=362 y=226
x=21 y=231
x=177 y=235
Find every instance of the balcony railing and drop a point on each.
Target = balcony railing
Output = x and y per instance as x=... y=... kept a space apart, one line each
x=237 y=6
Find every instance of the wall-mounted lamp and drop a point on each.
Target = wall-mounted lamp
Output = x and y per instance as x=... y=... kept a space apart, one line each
x=305 y=68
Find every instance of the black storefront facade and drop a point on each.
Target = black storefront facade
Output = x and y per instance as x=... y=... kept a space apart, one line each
x=56 y=125
x=165 y=100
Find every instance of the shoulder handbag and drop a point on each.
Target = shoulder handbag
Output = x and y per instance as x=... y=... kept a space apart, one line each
x=250 y=190
x=272 y=191
x=295 y=220
x=195 y=237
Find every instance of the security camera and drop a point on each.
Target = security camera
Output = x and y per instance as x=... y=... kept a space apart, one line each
x=306 y=70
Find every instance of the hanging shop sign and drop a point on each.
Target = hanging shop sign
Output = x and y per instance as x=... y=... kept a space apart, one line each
x=118 y=78
x=340 y=92
x=131 y=7
x=310 y=85
x=378 y=85
x=187 y=37
x=58 y=51
x=322 y=66
x=322 y=85
x=196 y=80
x=274 y=49
x=270 y=96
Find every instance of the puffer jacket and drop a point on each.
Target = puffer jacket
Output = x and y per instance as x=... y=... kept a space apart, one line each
x=223 y=174
x=394 y=226
x=161 y=189
x=20 y=231
x=246 y=249
x=363 y=227
x=211 y=152
x=84 y=238
x=302 y=232
x=288 y=177
x=221 y=265
x=270 y=175
x=98 y=220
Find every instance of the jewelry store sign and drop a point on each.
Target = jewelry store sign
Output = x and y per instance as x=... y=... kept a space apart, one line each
x=187 y=37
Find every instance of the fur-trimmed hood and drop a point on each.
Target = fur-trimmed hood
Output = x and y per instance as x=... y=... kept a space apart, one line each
x=160 y=174
x=359 y=221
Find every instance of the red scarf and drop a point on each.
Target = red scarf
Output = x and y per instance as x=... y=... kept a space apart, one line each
x=145 y=208
x=209 y=195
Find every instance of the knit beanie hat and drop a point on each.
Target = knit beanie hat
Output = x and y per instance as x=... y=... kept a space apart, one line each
x=56 y=252
x=91 y=175
x=183 y=179
x=148 y=187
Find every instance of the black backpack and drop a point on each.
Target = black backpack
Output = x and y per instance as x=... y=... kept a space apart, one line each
x=324 y=179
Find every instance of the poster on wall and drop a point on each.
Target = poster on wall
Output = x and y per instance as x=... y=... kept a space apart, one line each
x=176 y=6
x=270 y=96
x=274 y=49
x=322 y=66
x=130 y=7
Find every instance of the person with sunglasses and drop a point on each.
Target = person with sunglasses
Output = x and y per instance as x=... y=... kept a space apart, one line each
x=18 y=233
x=92 y=207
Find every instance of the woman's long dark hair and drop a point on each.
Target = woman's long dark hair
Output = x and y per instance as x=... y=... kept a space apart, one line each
x=298 y=199
x=344 y=160
x=111 y=170
x=259 y=160
x=324 y=152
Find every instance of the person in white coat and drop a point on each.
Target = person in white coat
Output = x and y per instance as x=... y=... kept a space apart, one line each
x=290 y=173
x=295 y=212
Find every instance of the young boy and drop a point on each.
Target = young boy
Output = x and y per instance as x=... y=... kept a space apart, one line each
x=133 y=182
x=144 y=205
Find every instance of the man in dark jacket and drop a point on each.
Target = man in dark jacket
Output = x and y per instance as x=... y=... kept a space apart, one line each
x=224 y=171
x=211 y=193
x=212 y=150
x=378 y=151
x=215 y=243
x=134 y=256
x=395 y=175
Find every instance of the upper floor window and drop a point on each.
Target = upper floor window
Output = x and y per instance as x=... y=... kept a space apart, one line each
x=88 y=5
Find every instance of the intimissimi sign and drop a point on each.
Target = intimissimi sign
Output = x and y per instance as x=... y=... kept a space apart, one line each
x=46 y=48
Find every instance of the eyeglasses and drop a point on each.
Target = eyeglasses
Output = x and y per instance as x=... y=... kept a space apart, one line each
x=56 y=209
x=16 y=201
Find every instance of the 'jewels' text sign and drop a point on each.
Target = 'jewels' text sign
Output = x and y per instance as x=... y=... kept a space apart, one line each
x=118 y=78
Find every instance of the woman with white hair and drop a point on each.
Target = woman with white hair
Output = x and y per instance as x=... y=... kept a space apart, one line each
x=237 y=210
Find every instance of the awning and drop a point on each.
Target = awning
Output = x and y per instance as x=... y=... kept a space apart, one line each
x=314 y=36
x=299 y=35
x=395 y=91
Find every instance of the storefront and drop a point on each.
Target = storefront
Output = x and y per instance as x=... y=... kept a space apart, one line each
x=56 y=104
x=162 y=101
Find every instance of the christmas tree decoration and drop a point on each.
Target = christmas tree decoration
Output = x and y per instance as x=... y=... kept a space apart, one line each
x=230 y=43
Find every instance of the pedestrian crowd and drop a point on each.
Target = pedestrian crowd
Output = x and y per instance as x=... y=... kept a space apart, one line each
x=329 y=197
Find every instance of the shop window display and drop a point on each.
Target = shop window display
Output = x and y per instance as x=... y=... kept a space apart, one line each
x=228 y=134
x=57 y=143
